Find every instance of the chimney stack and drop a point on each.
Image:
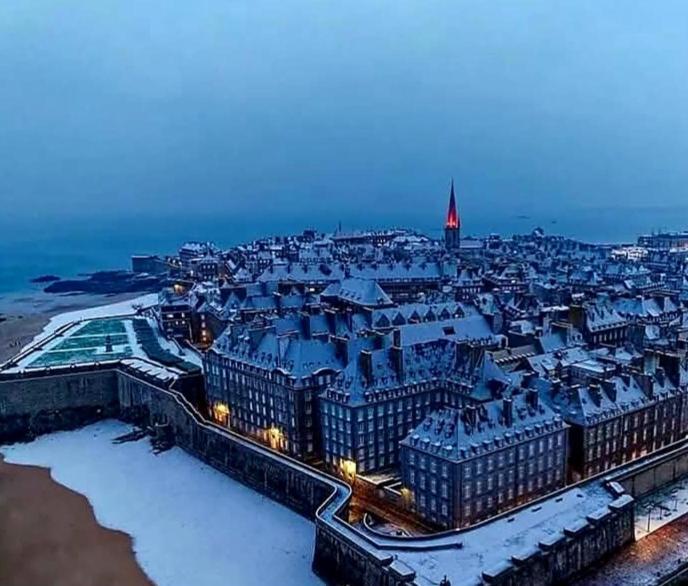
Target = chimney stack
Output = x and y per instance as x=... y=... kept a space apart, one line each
x=397 y=356
x=331 y=317
x=594 y=392
x=278 y=302
x=470 y=414
x=306 y=325
x=647 y=384
x=532 y=398
x=650 y=361
x=366 y=362
x=396 y=337
x=508 y=411
x=659 y=373
x=341 y=346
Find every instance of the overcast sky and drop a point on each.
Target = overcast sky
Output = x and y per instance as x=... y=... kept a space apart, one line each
x=340 y=108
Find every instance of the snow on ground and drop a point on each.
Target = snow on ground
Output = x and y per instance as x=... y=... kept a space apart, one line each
x=190 y=524
x=488 y=546
x=121 y=308
x=661 y=507
x=173 y=346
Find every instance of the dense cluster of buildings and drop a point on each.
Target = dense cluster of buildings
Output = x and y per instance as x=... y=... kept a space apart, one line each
x=473 y=374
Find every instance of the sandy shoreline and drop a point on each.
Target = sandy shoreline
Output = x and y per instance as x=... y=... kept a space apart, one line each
x=50 y=536
x=191 y=524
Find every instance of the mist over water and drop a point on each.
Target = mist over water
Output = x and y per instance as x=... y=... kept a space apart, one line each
x=131 y=126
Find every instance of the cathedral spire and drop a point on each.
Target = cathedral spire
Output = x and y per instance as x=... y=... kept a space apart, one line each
x=453 y=220
x=452 y=227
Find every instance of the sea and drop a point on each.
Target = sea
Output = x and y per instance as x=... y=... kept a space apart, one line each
x=128 y=127
x=70 y=249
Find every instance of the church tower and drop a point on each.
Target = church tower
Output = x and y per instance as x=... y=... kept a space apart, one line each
x=452 y=227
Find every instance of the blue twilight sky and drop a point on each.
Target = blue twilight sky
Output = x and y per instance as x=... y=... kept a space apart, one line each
x=131 y=124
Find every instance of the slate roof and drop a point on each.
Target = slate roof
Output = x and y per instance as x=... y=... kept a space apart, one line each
x=357 y=291
x=645 y=307
x=592 y=403
x=601 y=315
x=291 y=355
x=462 y=434
x=545 y=363
x=474 y=328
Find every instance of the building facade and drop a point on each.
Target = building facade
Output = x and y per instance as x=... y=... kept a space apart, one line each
x=463 y=466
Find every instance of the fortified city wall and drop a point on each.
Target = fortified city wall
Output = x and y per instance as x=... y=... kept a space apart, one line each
x=49 y=401
x=52 y=401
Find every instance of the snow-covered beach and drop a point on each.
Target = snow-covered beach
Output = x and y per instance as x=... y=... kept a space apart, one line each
x=190 y=524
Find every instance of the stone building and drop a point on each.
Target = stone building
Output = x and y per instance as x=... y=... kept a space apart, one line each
x=463 y=466
x=268 y=384
x=617 y=419
x=383 y=394
x=174 y=314
x=191 y=251
x=599 y=321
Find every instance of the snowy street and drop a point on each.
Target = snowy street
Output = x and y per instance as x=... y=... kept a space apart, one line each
x=660 y=508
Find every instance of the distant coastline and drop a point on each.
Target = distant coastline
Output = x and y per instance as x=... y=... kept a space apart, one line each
x=45 y=279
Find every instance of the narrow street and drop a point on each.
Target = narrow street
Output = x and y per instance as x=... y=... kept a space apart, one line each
x=645 y=562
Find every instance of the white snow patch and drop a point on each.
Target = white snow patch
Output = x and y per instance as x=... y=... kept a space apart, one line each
x=173 y=346
x=487 y=546
x=113 y=309
x=190 y=523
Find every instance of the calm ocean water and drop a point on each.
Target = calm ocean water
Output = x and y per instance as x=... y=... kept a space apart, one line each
x=69 y=248
x=130 y=126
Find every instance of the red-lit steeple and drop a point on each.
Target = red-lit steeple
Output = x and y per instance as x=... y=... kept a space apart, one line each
x=452 y=227
x=453 y=220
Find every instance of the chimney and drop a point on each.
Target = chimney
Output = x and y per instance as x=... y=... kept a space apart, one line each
x=349 y=318
x=576 y=315
x=306 y=325
x=341 y=346
x=256 y=335
x=331 y=317
x=594 y=392
x=573 y=390
x=659 y=373
x=528 y=378
x=470 y=414
x=650 y=361
x=647 y=385
x=278 y=303
x=366 y=363
x=671 y=362
x=508 y=411
x=396 y=337
x=532 y=397
x=461 y=351
x=397 y=356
